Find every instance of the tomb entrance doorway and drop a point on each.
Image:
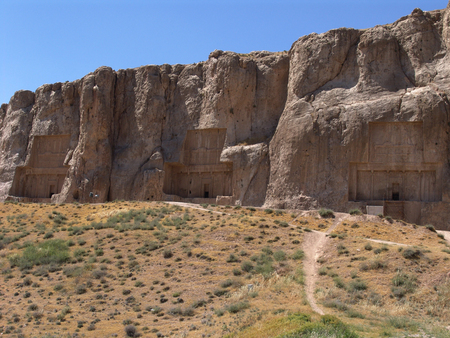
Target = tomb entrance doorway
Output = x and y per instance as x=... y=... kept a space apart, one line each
x=200 y=173
x=395 y=191
x=44 y=174
x=206 y=190
x=395 y=172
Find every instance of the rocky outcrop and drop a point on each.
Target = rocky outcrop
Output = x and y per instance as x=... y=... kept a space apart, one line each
x=125 y=126
x=346 y=119
x=387 y=74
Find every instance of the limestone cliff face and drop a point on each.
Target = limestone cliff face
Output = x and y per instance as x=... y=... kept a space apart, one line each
x=347 y=118
x=387 y=76
x=125 y=126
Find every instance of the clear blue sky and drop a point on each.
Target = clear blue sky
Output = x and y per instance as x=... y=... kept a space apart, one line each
x=47 y=41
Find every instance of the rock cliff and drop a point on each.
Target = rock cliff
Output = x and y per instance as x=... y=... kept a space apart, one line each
x=346 y=119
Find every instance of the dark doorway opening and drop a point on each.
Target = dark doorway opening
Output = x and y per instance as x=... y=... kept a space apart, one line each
x=206 y=191
x=52 y=191
x=395 y=192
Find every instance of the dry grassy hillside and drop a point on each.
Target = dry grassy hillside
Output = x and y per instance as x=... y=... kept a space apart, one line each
x=154 y=270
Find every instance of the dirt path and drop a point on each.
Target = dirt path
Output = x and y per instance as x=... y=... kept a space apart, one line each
x=192 y=206
x=384 y=242
x=445 y=233
x=313 y=245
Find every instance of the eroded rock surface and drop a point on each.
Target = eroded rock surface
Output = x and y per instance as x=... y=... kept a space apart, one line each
x=345 y=119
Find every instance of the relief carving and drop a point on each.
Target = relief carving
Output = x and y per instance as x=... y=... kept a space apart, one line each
x=396 y=173
x=200 y=173
x=44 y=174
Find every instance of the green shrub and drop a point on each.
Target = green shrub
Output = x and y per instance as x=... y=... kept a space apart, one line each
x=267 y=251
x=279 y=256
x=167 y=253
x=80 y=289
x=342 y=249
x=73 y=271
x=284 y=224
x=98 y=274
x=380 y=250
x=58 y=287
x=411 y=254
x=430 y=227
x=332 y=273
x=323 y=271
x=48 y=235
x=237 y=307
x=401 y=322
x=147 y=247
x=279 y=212
x=339 y=282
x=263 y=264
x=32 y=307
x=237 y=272
x=336 y=304
x=247 y=266
x=330 y=320
x=326 y=213
x=355 y=314
x=188 y=312
x=232 y=259
x=299 y=254
x=79 y=253
x=377 y=264
x=253 y=294
x=175 y=311
x=220 y=292
x=59 y=218
x=403 y=284
x=219 y=312
x=230 y=282
x=199 y=303
x=329 y=326
x=356 y=285
x=53 y=251
x=131 y=331
x=355 y=212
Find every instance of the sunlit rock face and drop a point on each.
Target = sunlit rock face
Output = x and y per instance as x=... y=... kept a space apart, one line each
x=346 y=119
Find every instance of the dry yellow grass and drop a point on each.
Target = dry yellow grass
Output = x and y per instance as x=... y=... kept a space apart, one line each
x=200 y=249
x=195 y=252
x=352 y=257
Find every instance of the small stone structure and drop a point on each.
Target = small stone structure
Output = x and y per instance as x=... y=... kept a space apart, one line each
x=200 y=174
x=45 y=172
